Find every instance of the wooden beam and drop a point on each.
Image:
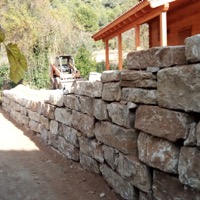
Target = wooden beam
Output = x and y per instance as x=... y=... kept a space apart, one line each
x=107 y=55
x=126 y=15
x=120 y=64
x=154 y=13
x=163 y=29
x=137 y=37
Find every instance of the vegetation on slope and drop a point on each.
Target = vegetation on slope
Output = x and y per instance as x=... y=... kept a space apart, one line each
x=46 y=28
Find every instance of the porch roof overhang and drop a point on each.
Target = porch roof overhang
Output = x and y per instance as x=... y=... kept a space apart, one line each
x=144 y=11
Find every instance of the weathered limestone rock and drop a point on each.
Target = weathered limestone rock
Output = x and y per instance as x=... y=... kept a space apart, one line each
x=100 y=109
x=83 y=123
x=69 y=150
x=145 y=196
x=125 y=140
x=158 y=153
x=178 y=88
x=189 y=167
x=32 y=104
x=54 y=127
x=90 y=89
x=34 y=126
x=18 y=117
x=15 y=106
x=56 y=98
x=23 y=110
x=157 y=57
x=169 y=187
x=192 y=48
x=45 y=134
x=71 y=135
x=137 y=95
x=89 y=164
x=64 y=116
x=34 y=116
x=111 y=76
x=121 y=114
x=69 y=101
x=163 y=123
x=120 y=186
x=84 y=104
x=191 y=139
x=48 y=110
x=132 y=170
x=133 y=75
x=45 y=122
x=91 y=148
x=109 y=156
x=147 y=83
x=198 y=134
x=111 y=92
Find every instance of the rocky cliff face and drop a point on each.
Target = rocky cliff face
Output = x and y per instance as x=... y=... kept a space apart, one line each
x=139 y=128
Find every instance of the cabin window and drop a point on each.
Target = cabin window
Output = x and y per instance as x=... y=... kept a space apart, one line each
x=184 y=33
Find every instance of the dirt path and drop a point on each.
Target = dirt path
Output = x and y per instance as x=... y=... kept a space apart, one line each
x=31 y=171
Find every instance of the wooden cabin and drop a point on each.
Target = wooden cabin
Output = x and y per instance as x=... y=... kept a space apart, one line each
x=170 y=22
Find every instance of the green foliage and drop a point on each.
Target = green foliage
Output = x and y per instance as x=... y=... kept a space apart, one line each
x=84 y=62
x=4 y=74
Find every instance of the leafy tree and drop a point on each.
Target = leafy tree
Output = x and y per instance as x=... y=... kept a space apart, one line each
x=84 y=62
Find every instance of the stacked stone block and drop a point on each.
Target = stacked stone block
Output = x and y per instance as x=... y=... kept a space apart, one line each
x=139 y=128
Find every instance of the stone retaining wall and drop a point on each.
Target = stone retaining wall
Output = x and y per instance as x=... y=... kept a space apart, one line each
x=139 y=128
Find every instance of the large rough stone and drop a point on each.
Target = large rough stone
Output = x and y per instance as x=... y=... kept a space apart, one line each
x=198 y=134
x=157 y=57
x=111 y=76
x=23 y=110
x=121 y=114
x=178 y=88
x=54 y=127
x=120 y=186
x=125 y=140
x=192 y=138
x=71 y=135
x=169 y=187
x=45 y=122
x=69 y=101
x=90 y=89
x=100 y=109
x=69 y=150
x=45 y=134
x=34 y=116
x=34 y=126
x=64 y=116
x=163 y=123
x=15 y=106
x=111 y=92
x=84 y=104
x=19 y=118
x=89 y=164
x=192 y=48
x=133 y=75
x=69 y=86
x=83 y=123
x=91 y=148
x=48 y=110
x=109 y=156
x=158 y=153
x=146 y=196
x=137 y=95
x=56 y=98
x=147 y=83
x=132 y=170
x=189 y=167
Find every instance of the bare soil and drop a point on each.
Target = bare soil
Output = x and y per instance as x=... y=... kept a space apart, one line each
x=29 y=170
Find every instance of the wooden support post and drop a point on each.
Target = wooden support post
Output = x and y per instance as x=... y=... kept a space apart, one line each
x=107 y=55
x=137 y=37
x=120 y=64
x=163 y=29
